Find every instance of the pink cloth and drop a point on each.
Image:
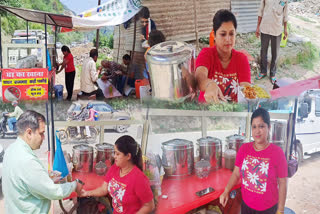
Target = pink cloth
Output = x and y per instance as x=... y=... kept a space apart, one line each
x=259 y=172
x=237 y=71
x=129 y=193
x=91 y=114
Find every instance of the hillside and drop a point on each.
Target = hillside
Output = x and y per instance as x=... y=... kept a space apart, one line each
x=9 y=23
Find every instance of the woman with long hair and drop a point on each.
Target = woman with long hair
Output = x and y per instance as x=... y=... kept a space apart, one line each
x=69 y=69
x=125 y=182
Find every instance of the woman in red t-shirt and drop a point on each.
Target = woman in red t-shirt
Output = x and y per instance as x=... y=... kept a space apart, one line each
x=263 y=170
x=220 y=69
x=69 y=69
x=125 y=182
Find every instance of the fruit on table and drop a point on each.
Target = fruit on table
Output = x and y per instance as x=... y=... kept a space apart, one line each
x=249 y=92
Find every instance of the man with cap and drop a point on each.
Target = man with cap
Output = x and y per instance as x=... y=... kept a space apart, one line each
x=14 y=116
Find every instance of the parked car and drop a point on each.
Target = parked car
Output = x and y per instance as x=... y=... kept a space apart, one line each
x=106 y=113
x=73 y=44
x=1 y=159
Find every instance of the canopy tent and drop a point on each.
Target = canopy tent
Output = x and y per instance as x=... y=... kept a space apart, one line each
x=40 y=16
x=111 y=13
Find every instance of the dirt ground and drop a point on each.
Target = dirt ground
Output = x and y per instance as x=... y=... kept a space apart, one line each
x=304 y=187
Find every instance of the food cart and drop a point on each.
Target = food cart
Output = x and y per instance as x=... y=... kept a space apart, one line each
x=178 y=195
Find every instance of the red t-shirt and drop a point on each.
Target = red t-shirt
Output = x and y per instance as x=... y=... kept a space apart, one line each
x=227 y=79
x=70 y=65
x=259 y=172
x=130 y=192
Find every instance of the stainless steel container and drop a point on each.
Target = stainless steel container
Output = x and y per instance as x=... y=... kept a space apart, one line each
x=235 y=142
x=177 y=158
x=210 y=149
x=105 y=153
x=82 y=158
x=278 y=133
x=170 y=65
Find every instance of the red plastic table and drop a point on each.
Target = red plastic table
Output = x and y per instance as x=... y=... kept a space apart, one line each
x=181 y=193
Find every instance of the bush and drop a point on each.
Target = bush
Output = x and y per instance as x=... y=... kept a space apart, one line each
x=104 y=41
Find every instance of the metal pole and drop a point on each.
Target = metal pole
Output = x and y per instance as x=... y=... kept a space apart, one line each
x=97 y=35
x=50 y=89
x=46 y=40
x=27 y=32
x=55 y=46
x=47 y=112
x=196 y=24
x=0 y=45
x=52 y=122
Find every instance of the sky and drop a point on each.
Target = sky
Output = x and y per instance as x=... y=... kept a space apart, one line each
x=79 y=6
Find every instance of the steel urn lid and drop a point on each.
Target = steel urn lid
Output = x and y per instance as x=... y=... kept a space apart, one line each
x=177 y=144
x=235 y=138
x=83 y=148
x=104 y=146
x=170 y=52
x=209 y=140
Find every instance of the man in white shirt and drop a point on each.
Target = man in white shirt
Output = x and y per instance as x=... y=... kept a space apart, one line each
x=272 y=21
x=89 y=75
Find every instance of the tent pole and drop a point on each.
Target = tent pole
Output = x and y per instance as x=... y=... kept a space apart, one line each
x=134 y=38
x=27 y=32
x=1 y=45
x=196 y=25
x=118 y=46
x=55 y=46
x=98 y=31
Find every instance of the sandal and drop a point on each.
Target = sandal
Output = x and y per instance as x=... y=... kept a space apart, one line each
x=260 y=76
x=273 y=80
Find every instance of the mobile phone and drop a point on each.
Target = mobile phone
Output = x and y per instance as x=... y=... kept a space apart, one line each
x=80 y=181
x=204 y=191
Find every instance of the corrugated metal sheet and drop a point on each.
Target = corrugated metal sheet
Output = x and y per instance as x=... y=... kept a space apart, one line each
x=176 y=19
x=246 y=12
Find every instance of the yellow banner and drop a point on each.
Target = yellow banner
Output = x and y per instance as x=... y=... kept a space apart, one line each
x=34 y=81
x=36 y=91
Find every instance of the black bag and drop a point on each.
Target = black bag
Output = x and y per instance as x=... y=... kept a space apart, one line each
x=292 y=167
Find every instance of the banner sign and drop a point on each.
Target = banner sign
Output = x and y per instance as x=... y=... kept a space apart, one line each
x=24 y=84
x=111 y=13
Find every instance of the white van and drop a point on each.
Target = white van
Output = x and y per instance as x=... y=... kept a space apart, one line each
x=307 y=120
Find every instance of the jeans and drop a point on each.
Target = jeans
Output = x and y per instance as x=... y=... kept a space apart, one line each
x=99 y=94
x=11 y=123
x=122 y=84
x=275 y=47
x=69 y=79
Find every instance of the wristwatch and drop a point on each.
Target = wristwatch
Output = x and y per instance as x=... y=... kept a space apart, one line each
x=79 y=181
